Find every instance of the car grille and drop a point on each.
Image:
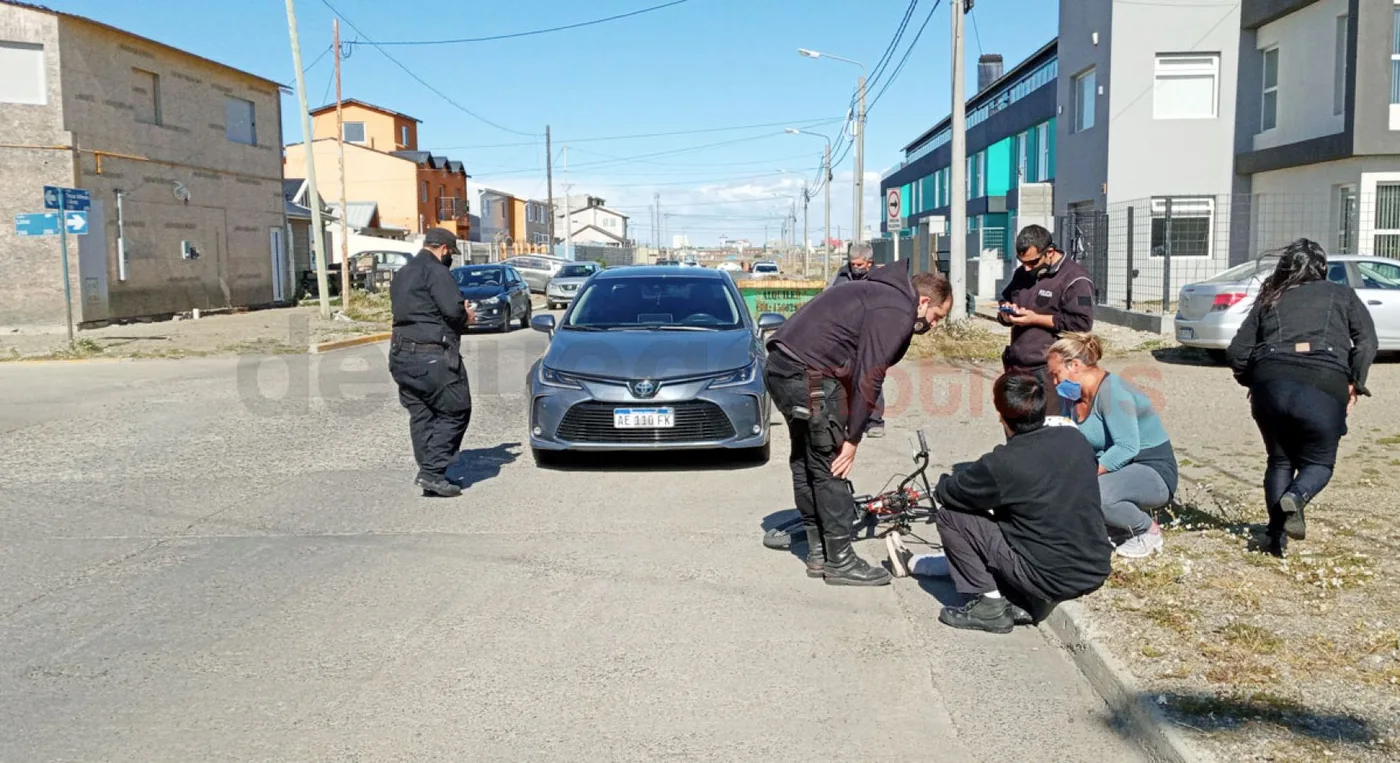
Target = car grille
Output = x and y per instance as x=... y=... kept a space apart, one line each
x=696 y=421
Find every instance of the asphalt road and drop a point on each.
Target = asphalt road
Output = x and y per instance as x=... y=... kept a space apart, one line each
x=224 y=559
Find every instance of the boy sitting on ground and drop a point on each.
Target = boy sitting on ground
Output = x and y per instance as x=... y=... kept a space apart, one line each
x=1024 y=519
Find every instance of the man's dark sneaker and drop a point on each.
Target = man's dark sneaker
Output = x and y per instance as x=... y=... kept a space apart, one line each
x=1293 y=523
x=438 y=487
x=1276 y=546
x=875 y=430
x=981 y=613
x=1020 y=616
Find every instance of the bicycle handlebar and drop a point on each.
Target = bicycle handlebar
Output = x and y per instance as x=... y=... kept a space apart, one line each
x=923 y=444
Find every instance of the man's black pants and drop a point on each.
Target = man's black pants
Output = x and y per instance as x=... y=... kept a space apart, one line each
x=433 y=386
x=1302 y=427
x=823 y=500
x=980 y=559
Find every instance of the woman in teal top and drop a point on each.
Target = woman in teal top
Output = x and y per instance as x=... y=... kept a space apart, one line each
x=1137 y=467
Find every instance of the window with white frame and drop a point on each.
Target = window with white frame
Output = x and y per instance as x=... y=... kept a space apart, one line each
x=1042 y=150
x=981 y=174
x=1189 y=229
x=239 y=124
x=403 y=135
x=1346 y=220
x=1186 y=86
x=1085 y=100
x=1268 y=118
x=1395 y=57
x=1339 y=68
x=25 y=81
x=1387 y=220
x=354 y=132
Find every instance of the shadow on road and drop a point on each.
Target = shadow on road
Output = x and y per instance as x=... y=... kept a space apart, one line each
x=481 y=464
x=1190 y=356
x=673 y=461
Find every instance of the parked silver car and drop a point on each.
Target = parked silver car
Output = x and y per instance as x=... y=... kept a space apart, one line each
x=652 y=358
x=537 y=269
x=1209 y=313
x=565 y=284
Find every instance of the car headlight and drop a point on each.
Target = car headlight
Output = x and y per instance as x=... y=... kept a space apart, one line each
x=490 y=302
x=736 y=378
x=552 y=378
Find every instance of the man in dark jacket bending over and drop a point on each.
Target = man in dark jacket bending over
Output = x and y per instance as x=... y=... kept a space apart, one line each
x=826 y=368
x=1024 y=519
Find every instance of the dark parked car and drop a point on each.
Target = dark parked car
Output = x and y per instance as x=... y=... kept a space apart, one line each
x=497 y=293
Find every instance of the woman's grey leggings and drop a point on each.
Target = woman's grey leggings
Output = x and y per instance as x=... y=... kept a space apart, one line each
x=1126 y=492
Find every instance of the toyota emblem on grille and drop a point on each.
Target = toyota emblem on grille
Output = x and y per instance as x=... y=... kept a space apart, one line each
x=644 y=388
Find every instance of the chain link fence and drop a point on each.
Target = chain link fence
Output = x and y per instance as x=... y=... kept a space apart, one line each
x=1141 y=253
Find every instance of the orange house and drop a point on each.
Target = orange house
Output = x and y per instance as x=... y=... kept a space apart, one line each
x=440 y=188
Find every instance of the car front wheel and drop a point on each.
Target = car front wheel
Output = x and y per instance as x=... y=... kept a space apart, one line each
x=525 y=319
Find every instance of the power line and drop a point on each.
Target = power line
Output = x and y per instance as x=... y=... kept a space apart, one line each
x=975 y=33
x=420 y=80
x=905 y=59
x=894 y=44
x=535 y=31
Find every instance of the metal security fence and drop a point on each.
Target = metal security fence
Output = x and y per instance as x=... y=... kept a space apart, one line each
x=1141 y=253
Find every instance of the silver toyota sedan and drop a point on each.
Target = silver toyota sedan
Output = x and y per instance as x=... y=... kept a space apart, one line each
x=564 y=285
x=652 y=358
x=1210 y=312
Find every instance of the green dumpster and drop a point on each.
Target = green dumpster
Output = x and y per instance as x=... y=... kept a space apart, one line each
x=781 y=297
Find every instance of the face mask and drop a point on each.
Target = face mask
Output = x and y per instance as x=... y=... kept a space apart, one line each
x=922 y=326
x=1069 y=390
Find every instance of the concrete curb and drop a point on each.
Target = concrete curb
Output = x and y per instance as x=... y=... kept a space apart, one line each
x=1072 y=625
x=341 y=344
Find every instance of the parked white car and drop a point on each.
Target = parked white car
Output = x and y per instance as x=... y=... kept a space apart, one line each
x=765 y=269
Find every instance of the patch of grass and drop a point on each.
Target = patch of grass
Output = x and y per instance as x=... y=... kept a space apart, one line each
x=1392 y=440
x=959 y=340
x=1252 y=638
x=1171 y=616
x=1146 y=578
x=261 y=347
x=1152 y=652
x=370 y=308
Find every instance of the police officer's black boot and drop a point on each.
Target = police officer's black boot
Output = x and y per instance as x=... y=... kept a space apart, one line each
x=844 y=567
x=816 y=553
x=437 y=486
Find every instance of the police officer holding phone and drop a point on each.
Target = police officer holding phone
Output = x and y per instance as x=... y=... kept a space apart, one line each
x=1049 y=294
x=425 y=359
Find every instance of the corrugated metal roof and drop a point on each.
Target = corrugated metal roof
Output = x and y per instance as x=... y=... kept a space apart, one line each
x=361 y=215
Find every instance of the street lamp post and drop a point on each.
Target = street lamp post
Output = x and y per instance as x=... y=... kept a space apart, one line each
x=859 y=183
x=826 y=167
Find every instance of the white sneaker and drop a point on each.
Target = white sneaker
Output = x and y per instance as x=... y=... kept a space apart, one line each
x=1141 y=546
x=899 y=555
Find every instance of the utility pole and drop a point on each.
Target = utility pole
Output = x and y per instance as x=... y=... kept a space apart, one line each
x=549 y=179
x=806 y=245
x=826 y=211
x=957 y=217
x=859 y=234
x=344 y=208
x=568 y=212
x=317 y=239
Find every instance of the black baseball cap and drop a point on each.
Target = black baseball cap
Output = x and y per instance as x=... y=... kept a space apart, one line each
x=440 y=237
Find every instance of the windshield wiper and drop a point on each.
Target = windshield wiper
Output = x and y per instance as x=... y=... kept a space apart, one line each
x=677 y=327
x=572 y=327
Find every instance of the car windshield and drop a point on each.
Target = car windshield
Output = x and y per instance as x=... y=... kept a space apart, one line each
x=576 y=271
x=765 y=267
x=656 y=302
x=1241 y=273
x=479 y=276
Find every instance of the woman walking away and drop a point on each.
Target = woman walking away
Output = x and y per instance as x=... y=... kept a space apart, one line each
x=1137 y=467
x=1303 y=353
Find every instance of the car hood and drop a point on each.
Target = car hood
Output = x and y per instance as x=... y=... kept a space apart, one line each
x=649 y=354
x=481 y=292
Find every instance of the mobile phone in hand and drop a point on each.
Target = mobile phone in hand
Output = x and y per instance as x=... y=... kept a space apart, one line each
x=1009 y=310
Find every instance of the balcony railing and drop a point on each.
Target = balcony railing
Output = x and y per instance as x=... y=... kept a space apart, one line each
x=453 y=208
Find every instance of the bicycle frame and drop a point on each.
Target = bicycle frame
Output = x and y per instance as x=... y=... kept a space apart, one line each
x=909 y=502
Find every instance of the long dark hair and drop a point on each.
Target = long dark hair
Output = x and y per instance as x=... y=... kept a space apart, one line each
x=1300 y=262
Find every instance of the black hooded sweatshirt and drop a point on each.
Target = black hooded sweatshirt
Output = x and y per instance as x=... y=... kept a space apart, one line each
x=854 y=332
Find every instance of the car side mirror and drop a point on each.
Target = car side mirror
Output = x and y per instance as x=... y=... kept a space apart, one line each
x=769 y=321
x=543 y=324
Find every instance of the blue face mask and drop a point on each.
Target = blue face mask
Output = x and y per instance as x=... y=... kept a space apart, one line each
x=1069 y=390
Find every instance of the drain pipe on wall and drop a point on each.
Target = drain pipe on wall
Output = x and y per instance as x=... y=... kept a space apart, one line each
x=121 y=240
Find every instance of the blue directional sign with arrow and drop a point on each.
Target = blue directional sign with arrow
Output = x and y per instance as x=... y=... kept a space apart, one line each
x=75 y=199
x=76 y=223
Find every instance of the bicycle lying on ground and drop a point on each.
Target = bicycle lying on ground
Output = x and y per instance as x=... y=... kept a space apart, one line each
x=896 y=510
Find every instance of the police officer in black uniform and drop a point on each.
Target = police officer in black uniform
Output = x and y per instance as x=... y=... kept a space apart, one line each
x=425 y=359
